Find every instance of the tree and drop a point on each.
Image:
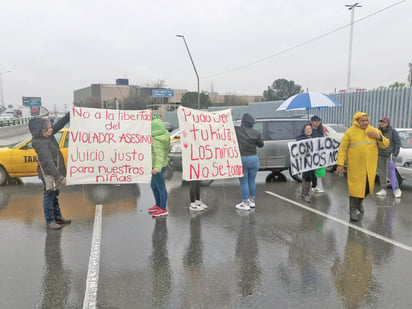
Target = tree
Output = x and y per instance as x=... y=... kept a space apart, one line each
x=189 y=99
x=397 y=85
x=234 y=100
x=281 y=89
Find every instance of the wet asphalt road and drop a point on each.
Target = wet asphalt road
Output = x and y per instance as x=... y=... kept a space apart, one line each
x=280 y=255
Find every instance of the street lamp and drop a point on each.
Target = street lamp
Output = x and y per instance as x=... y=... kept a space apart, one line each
x=194 y=67
x=1 y=87
x=351 y=7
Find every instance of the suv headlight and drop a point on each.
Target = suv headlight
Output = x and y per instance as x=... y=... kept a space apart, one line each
x=176 y=148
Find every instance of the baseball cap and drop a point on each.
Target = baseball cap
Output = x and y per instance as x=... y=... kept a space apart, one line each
x=315 y=118
x=385 y=119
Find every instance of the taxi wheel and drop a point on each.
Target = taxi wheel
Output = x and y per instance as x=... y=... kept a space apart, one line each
x=3 y=176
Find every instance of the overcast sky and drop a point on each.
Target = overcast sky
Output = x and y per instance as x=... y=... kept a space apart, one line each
x=53 y=47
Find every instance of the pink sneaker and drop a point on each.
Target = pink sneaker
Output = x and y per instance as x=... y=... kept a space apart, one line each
x=153 y=209
x=160 y=212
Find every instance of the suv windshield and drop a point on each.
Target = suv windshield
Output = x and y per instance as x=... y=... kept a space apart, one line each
x=282 y=130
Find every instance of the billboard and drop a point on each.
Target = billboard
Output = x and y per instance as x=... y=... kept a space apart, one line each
x=26 y=100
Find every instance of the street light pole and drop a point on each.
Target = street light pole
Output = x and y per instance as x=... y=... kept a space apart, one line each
x=194 y=67
x=351 y=7
x=1 y=87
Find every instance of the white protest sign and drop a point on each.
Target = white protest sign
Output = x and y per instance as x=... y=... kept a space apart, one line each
x=209 y=145
x=109 y=146
x=313 y=153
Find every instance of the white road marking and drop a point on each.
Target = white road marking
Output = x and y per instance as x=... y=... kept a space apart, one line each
x=388 y=240
x=92 y=281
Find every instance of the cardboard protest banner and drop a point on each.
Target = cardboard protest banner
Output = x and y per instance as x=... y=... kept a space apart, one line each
x=209 y=145
x=109 y=146
x=313 y=153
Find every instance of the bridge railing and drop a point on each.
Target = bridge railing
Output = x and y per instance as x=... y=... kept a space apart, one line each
x=15 y=121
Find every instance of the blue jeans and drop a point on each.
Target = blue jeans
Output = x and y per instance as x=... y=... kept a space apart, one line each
x=247 y=182
x=158 y=186
x=51 y=206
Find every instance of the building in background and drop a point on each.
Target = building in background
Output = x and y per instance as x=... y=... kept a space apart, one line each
x=122 y=95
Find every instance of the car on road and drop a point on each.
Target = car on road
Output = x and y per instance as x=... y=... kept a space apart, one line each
x=6 y=116
x=175 y=135
x=405 y=153
x=20 y=160
x=335 y=130
x=404 y=159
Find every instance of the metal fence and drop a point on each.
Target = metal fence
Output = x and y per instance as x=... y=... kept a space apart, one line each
x=395 y=103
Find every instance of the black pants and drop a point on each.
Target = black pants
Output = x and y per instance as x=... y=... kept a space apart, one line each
x=194 y=190
x=309 y=176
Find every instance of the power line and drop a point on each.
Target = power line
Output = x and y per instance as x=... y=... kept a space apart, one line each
x=304 y=43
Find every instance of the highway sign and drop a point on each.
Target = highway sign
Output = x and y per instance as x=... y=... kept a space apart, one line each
x=26 y=100
x=162 y=93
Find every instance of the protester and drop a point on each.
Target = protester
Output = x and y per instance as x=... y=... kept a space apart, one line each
x=307 y=176
x=317 y=131
x=387 y=155
x=51 y=162
x=160 y=150
x=248 y=139
x=359 y=149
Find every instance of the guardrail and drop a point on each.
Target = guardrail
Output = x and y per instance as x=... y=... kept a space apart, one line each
x=15 y=121
x=22 y=120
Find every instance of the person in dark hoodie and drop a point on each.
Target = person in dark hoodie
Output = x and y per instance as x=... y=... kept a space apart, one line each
x=248 y=139
x=307 y=176
x=386 y=155
x=51 y=162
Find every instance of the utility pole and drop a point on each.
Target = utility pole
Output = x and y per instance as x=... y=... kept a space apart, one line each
x=351 y=7
x=194 y=67
x=1 y=89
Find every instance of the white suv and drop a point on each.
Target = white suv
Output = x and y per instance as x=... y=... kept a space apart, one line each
x=404 y=159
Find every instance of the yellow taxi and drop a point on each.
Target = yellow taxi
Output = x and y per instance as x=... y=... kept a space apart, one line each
x=20 y=160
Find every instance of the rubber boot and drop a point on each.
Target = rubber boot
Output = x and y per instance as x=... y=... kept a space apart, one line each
x=359 y=205
x=353 y=213
x=306 y=186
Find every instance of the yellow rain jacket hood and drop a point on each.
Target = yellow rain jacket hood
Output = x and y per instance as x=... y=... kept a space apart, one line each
x=360 y=154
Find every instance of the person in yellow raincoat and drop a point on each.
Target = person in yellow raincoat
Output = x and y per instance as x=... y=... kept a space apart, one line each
x=359 y=149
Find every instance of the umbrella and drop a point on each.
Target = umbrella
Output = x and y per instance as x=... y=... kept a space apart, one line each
x=392 y=174
x=308 y=100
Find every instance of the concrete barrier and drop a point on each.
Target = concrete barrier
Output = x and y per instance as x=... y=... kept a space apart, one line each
x=16 y=130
